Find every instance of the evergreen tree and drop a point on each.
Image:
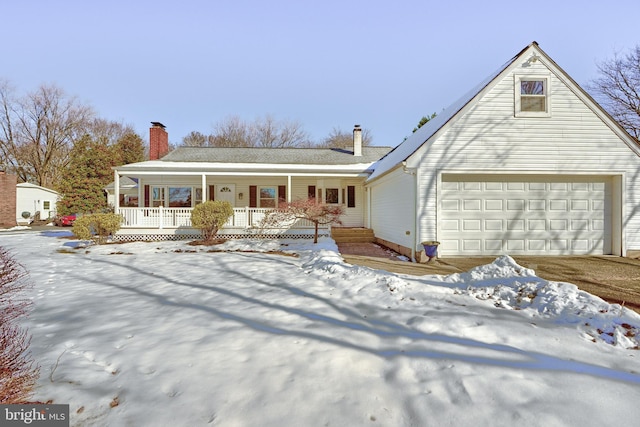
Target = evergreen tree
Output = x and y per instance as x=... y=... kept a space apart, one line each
x=423 y=121
x=83 y=181
x=129 y=149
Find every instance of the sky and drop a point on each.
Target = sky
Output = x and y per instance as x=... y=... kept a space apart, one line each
x=327 y=65
x=171 y=334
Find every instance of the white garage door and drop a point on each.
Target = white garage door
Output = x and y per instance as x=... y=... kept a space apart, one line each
x=544 y=215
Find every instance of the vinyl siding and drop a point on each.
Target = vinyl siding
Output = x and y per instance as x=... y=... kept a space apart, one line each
x=488 y=138
x=392 y=207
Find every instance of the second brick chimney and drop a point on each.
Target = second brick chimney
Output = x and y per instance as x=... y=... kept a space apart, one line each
x=158 y=141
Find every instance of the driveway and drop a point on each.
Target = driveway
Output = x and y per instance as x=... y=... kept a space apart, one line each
x=614 y=279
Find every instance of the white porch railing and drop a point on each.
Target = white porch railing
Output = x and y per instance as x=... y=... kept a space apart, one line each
x=162 y=218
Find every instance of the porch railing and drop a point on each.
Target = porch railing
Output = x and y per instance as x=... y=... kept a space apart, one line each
x=161 y=218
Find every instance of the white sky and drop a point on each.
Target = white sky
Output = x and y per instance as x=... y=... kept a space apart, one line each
x=380 y=64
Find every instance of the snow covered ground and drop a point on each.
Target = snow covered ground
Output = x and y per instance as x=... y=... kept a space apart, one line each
x=167 y=334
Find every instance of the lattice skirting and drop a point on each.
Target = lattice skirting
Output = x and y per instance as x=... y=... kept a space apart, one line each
x=198 y=236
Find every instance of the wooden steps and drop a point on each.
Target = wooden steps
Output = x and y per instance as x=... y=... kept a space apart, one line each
x=352 y=235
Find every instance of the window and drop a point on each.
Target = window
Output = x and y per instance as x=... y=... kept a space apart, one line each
x=532 y=97
x=198 y=195
x=331 y=195
x=157 y=194
x=128 y=201
x=179 y=197
x=46 y=205
x=268 y=197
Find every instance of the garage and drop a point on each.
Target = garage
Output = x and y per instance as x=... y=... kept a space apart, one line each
x=525 y=214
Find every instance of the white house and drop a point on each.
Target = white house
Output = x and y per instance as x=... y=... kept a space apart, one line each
x=31 y=198
x=253 y=180
x=525 y=163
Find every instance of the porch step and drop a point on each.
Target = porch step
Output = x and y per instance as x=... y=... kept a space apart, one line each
x=352 y=235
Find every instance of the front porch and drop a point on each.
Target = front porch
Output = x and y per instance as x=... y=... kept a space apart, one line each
x=160 y=223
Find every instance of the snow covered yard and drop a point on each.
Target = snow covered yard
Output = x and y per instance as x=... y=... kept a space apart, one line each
x=167 y=334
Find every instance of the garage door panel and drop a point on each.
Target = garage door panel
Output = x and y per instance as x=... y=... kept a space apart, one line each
x=563 y=215
x=536 y=245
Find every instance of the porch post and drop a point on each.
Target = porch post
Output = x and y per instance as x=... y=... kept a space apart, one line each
x=288 y=188
x=205 y=189
x=116 y=191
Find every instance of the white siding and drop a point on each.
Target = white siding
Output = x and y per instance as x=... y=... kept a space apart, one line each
x=489 y=139
x=392 y=207
x=32 y=199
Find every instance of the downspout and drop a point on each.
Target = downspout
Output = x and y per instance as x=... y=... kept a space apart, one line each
x=413 y=172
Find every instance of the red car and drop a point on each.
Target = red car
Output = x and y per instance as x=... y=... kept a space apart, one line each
x=65 y=220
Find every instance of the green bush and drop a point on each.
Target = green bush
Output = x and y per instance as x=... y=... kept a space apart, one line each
x=97 y=227
x=210 y=216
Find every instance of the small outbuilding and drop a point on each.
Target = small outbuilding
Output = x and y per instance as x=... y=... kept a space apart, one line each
x=32 y=199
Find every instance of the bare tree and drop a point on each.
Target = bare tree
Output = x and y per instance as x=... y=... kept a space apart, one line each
x=38 y=130
x=108 y=132
x=233 y=132
x=344 y=139
x=196 y=139
x=618 y=89
x=272 y=133
x=262 y=132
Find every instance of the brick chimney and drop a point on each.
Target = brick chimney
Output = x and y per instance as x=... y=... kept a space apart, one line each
x=357 y=141
x=158 y=141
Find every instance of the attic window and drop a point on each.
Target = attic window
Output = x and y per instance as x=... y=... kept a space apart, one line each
x=532 y=96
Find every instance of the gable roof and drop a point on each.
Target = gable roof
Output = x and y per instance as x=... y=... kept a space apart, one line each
x=245 y=161
x=36 y=187
x=410 y=145
x=278 y=156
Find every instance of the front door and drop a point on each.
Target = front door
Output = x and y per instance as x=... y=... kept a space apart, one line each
x=226 y=192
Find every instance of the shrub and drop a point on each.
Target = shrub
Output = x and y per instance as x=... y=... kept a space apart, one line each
x=18 y=373
x=97 y=227
x=210 y=216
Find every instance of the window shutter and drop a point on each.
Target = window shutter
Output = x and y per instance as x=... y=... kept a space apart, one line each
x=311 y=192
x=253 y=196
x=146 y=196
x=212 y=192
x=282 y=193
x=351 y=196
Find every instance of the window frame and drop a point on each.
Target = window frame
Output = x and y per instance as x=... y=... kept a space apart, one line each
x=517 y=90
x=175 y=191
x=335 y=195
x=153 y=200
x=260 y=198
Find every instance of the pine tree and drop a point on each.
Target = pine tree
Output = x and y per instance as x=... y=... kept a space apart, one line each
x=88 y=172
